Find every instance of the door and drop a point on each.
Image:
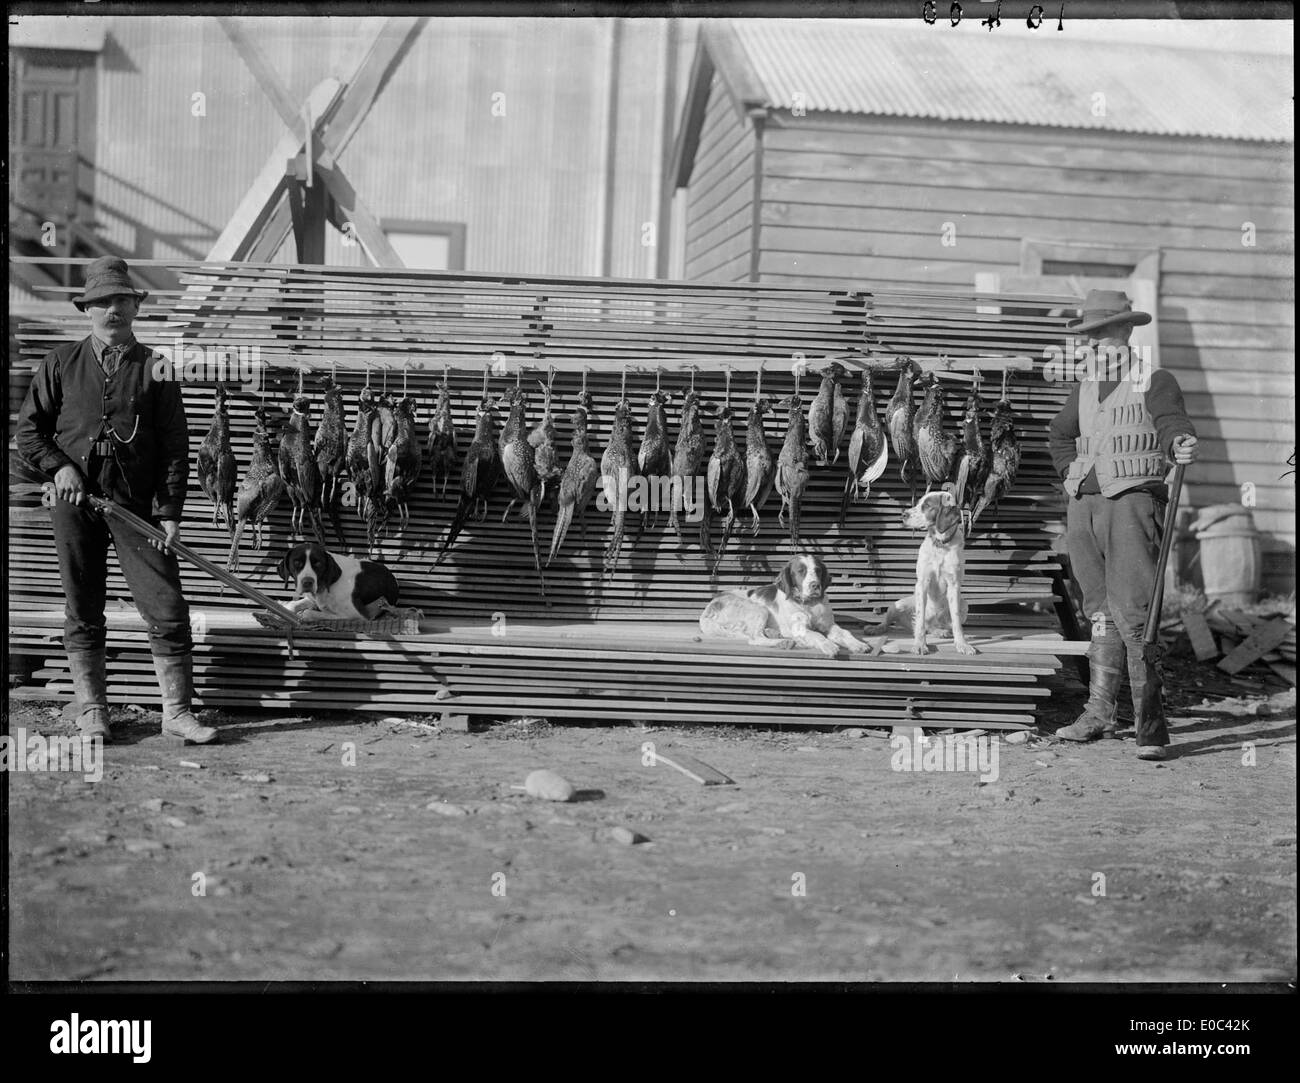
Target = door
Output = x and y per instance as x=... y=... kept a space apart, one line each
x=51 y=140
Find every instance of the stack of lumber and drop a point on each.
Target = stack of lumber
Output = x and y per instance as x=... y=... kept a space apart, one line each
x=404 y=330
x=1262 y=639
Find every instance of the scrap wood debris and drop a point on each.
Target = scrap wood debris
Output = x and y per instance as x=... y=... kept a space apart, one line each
x=1259 y=637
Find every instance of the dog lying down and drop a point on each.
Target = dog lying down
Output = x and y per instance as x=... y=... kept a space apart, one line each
x=792 y=610
x=330 y=586
x=937 y=603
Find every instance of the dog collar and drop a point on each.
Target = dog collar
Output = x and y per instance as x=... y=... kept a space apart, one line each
x=945 y=537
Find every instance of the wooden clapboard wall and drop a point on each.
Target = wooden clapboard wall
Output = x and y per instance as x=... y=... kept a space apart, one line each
x=847 y=199
x=403 y=330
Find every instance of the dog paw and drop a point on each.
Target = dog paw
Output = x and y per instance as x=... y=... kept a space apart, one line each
x=920 y=648
x=828 y=649
x=856 y=646
x=966 y=648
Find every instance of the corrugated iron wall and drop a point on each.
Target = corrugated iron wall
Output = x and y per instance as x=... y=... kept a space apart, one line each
x=527 y=184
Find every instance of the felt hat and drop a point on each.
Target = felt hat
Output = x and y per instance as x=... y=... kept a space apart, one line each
x=107 y=277
x=1102 y=307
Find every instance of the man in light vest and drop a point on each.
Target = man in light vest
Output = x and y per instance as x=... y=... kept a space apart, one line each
x=1112 y=444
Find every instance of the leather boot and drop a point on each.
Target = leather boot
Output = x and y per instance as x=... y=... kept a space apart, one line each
x=1148 y=701
x=90 y=681
x=1106 y=664
x=176 y=680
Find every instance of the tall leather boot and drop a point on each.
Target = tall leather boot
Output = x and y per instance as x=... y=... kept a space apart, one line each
x=1106 y=665
x=176 y=680
x=1148 y=701
x=90 y=680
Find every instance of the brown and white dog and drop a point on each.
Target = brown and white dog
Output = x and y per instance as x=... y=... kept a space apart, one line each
x=332 y=587
x=940 y=567
x=791 y=610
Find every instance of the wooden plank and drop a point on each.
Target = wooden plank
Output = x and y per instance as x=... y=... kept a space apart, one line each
x=692 y=768
x=1262 y=640
x=1287 y=673
x=1201 y=637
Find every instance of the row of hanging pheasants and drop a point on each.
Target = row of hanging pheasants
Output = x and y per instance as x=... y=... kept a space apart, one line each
x=383 y=458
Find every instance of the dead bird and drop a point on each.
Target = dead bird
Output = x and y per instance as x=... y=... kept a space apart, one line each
x=580 y=480
x=302 y=478
x=936 y=447
x=899 y=415
x=330 y=448
x=792 y=465
x=726 y=484
x=688 y=457
x=973 y=460
x=216 y=467
x=519 y=466
x=654 y=459
x=260 y=491
x=546 y=459
x=1004 y=459
x=828 y=416
x=868 y=448
x=358 y=452
x=615 y=470
x=760 y=464
x=403 y=461
x=441 y=449
x=480 y=471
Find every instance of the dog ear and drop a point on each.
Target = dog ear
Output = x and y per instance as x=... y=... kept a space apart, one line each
x=823 y=575
x=948 y=515
x=787 y=580
x=283 y=568
x=332 y=570
x=947 y=497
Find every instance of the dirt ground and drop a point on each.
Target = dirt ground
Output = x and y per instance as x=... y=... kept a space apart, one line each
x=821 y=862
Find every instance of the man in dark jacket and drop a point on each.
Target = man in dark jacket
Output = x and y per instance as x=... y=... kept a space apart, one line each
x=100 y=421
x=1112 y=444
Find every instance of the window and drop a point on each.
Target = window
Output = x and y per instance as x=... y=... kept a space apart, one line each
x=430 y=246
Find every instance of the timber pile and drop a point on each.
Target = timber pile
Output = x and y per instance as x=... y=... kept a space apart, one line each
x=403 y=329
x=1262 y=639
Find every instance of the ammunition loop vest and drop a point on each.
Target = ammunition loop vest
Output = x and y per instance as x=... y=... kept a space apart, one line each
x=1117 y=438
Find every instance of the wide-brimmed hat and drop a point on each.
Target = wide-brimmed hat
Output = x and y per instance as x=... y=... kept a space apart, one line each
x=107 y=277
x=1102 y=307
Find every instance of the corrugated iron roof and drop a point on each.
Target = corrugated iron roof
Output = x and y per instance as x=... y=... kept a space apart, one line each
x=1007 y=77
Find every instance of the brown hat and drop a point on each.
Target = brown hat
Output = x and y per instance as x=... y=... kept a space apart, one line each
x=107 y=277
x=1102 y=307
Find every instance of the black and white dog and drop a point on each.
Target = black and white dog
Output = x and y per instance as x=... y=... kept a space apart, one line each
x=328 y=586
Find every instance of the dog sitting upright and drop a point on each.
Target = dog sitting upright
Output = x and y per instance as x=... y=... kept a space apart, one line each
x=940 y=566
x=332 y=587
x=791 y=610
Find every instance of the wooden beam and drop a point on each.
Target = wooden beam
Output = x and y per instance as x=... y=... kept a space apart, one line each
x=388 y=48
x=373 y=240
x=258 y=63
x=258 y=207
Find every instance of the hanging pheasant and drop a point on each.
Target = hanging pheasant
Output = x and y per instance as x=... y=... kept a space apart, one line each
x=973 y=464
x=1004 y=457
x=654 y=459
x=828 y=416
x=480 y=471
x=898 y=420
x=760 y=465
x=868 y=448
x=218 y=474
x=936 y=448
x=726 y=479
x=792 y=465
x=688 y=457
x=580 y=480
x=441 y=449
x=615 y=470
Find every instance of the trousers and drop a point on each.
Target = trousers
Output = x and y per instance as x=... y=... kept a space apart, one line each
x=1113 y=544
x=81 y=538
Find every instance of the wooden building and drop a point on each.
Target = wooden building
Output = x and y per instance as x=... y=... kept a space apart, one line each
x=852 y=154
